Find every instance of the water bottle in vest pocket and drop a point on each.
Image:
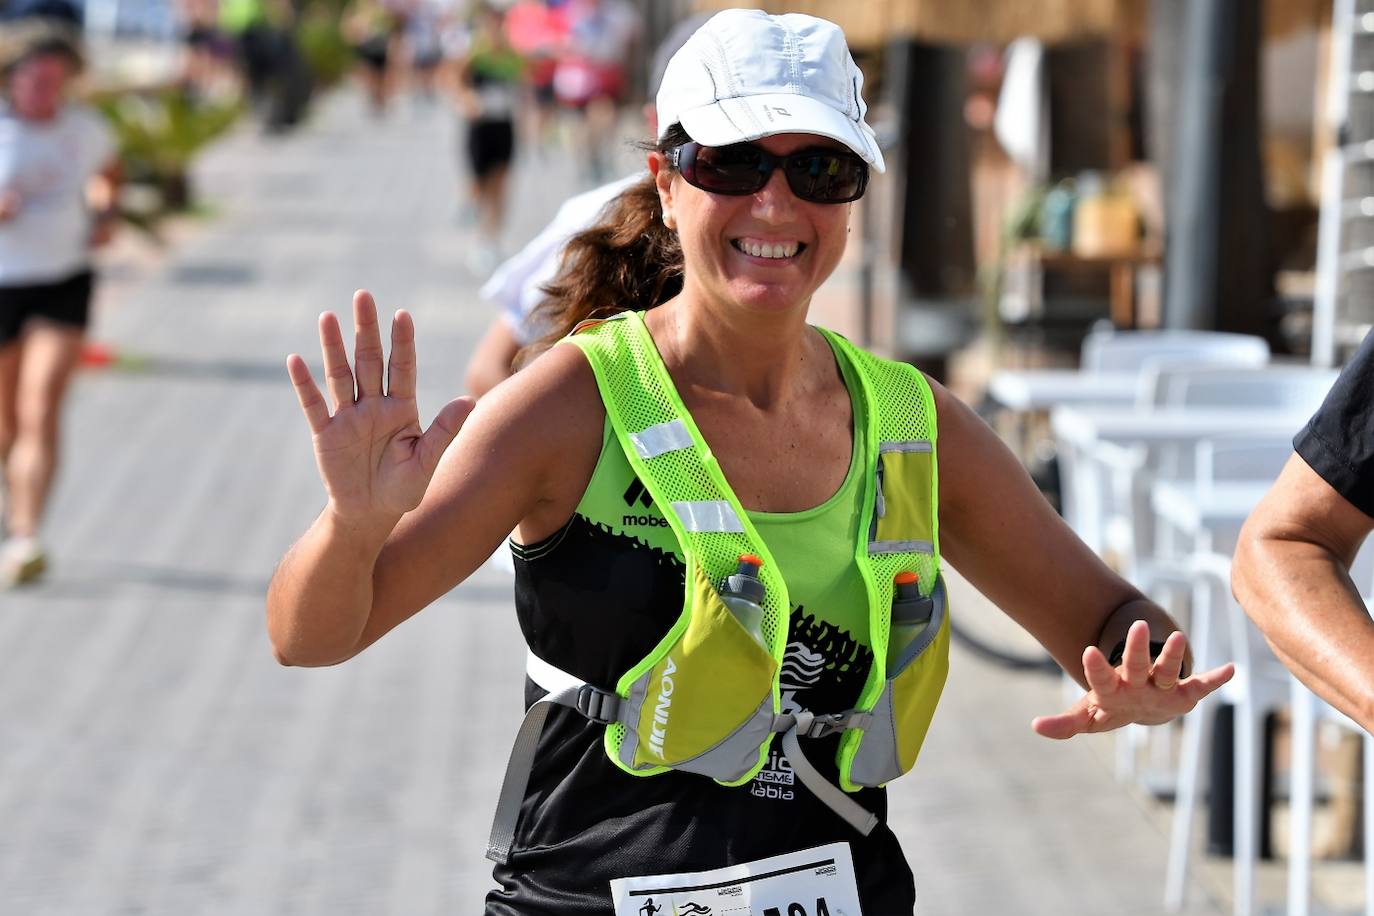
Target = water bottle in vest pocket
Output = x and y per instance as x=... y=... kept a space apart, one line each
x=903 y=711
x=706 y=704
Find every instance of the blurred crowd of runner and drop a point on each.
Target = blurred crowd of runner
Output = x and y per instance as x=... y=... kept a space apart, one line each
x=553 y=73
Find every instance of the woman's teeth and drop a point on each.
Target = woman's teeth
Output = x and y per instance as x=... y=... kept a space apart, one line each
x=767 y=250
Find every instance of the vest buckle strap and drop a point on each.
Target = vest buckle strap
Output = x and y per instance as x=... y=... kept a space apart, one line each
x=601 y=706
x=809 y=725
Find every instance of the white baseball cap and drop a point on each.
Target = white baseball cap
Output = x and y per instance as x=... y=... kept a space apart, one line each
x=745 y=75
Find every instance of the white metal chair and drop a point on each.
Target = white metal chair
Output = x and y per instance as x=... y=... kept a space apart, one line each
x=1129 y=529
x=1272 y=387
x=1307 y=711
x=1124 y=350
x=1261 y=685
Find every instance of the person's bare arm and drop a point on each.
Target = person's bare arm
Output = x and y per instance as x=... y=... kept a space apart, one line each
x=390 y=539
x=1005 y=538
x=491 y=362
x=1002 y=535
x=102 y=196
x=1291 y=574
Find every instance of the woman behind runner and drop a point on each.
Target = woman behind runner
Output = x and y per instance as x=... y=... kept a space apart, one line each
x=489 y=89
x=57 y=193
x=720 y=249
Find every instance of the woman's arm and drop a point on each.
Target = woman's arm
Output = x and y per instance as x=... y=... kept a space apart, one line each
x=1292 y=575
x=102 y=196
x=1002 y=535
x=391 y=540
x=1005 y=538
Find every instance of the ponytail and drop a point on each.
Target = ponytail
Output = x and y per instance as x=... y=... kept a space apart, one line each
x=627 y=260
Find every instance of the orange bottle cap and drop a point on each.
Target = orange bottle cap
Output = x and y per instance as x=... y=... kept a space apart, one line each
x=906 y=578
x=750 y=558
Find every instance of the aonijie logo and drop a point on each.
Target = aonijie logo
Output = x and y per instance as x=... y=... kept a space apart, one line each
x=658 y=733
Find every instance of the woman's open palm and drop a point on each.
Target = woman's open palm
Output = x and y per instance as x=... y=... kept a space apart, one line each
x=375 y=459
x=1139 y=691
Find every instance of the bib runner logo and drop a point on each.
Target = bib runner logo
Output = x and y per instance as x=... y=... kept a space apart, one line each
x=636 y=493
x=659 y=733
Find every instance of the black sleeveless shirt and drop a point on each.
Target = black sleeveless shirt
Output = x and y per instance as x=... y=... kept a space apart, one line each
x=593 y=599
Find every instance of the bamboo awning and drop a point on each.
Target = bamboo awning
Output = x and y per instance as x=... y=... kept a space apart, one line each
x=872 y=23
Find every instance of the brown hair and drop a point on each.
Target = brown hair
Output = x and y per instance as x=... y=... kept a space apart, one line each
x=627 y=260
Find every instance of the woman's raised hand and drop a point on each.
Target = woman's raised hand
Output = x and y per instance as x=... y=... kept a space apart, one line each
x=374 y=458
x=1137 y=691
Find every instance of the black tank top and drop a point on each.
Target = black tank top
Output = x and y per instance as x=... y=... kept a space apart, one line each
x=593 y=599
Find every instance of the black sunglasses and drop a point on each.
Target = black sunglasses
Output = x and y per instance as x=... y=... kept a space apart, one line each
x=821 y=176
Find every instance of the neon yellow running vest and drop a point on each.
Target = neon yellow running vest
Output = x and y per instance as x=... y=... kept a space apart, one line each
x=706 y=699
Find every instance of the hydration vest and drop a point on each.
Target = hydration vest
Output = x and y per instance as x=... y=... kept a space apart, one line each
x=706 y=699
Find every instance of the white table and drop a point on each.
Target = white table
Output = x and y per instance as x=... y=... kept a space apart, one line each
x=1084 y=427
x=1042 y=389
x=1096 y=443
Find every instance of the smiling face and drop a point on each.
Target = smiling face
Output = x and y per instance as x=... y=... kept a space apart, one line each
x=38 y=86
x=763 y=252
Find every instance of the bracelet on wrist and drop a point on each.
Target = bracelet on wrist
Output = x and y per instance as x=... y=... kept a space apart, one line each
x=1118 y=654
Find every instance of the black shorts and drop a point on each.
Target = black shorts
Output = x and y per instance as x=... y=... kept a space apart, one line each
x=64 y=302
x=373 y=52
x=491 y=144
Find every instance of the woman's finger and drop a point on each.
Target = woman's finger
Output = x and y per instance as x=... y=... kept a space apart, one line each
x=368 y=356
x=442 y=431
x=308 y=393
x=400 y=368
x=1065 y=725
x=1167 y=667
x=338 y=377
x=1135 y=663
x=1099 y=673
x=1199 y=685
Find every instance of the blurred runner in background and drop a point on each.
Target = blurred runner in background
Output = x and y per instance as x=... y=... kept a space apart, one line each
x=371 y=28
x=489 y=88
x=424 y=49
x=57 y=201
x=517 y=286
x=538 y=30
x=590 y=78
x=273 y=69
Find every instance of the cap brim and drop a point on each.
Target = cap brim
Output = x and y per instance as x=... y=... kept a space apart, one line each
x=741 y=119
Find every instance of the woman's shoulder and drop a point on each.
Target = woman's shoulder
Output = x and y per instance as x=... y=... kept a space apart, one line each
x=552 y=403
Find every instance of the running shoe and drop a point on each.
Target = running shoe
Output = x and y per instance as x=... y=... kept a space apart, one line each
x=22 y=561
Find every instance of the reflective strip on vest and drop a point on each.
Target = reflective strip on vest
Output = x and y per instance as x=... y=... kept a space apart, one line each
x=713 y=515
x=901 y=547
x=661 y=439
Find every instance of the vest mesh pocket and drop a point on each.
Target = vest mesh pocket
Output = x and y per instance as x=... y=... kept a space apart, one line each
x=902 y=521
x=706 y=706
x=902 y=715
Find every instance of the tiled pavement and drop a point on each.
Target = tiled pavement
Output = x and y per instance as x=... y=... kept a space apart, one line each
x=153 y=757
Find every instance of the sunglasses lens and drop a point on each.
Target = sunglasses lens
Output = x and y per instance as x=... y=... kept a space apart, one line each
x=827 y=177
x=819 y=176
x=728 y=169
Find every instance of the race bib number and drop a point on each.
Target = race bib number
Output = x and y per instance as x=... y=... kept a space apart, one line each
x=812 y=882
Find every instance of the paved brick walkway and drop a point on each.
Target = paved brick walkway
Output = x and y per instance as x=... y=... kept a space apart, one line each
x=155 y=760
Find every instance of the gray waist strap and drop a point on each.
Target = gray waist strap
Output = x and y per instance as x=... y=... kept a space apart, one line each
x=564 y=690
x=603 y=707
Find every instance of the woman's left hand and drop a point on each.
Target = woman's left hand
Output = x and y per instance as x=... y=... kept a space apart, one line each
x=1138 y=691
